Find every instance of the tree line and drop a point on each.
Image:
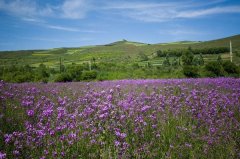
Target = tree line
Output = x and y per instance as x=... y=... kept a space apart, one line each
x=180 y=52
x=218 y=68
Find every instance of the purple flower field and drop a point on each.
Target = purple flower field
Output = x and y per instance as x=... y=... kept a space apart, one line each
x=178 y=118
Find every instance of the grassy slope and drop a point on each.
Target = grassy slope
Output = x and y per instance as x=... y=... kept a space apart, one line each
x=121 y=51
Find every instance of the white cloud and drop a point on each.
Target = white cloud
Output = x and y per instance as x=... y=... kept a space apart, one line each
x=70 y=9
x=180 y=32
x=159 y=12
x=160 y=5
x=74 y=9
x=151 y=15
x=138 y=10
x=137 y=5
x=72 y=40
x=26 y=8
x=27 y=19
x=56 y=27
x=70 y=29
x=210 y=11
x=30 y=11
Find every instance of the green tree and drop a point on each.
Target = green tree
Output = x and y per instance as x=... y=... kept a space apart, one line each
x=187 y=58
x=214 y=69
x=190 y=71
x=198 y=60
x=166 y=61
x=195 y=61
x=63 y=77
x=175 y=61
x=230 y=68
x=41 y=73
x=75 y=71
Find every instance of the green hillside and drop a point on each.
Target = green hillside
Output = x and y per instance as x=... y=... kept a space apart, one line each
x=121 y=51
x=123 y=60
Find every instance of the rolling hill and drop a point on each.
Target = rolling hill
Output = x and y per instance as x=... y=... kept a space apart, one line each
x=121 y=51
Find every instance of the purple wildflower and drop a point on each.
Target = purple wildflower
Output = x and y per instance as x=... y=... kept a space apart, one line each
x=30 y=113
x=2 y=155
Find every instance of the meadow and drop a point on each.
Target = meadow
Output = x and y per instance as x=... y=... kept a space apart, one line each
x=174 y=118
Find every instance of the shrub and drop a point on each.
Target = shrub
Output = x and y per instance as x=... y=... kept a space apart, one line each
x=190 y=71
x=142 y=56
x=75 y=71
x=135 y=66
x=102 y=76
x=237 y=52
x=214 y=69
x=175 y=62
x=166 y=61
x=26 y=77
x=230 y=67
x=63 y=77
x=89 y=75
x=198 y=60
x=187 y=58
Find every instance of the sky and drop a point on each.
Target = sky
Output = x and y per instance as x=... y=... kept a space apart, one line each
x=44 y=24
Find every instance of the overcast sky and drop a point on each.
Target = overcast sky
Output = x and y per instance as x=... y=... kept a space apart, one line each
x=42 y=24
